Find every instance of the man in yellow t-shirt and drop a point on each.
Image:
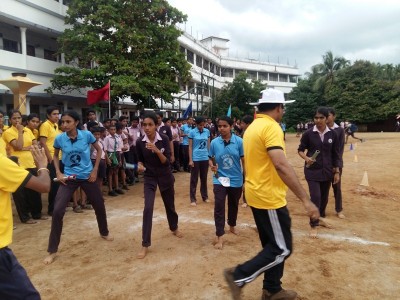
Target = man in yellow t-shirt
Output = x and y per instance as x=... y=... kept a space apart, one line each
x=47 y=134
x=14 y=281
x=266 y=179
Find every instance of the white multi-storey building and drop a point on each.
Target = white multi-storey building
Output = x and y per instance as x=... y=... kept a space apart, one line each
x=28 y=34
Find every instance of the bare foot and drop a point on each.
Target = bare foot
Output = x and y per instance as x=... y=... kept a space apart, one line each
x=233 y=230
x=324 y=223
x=107 y=237
x=142 y=253
x=340 y=215
x=314 y=232
x=193 y=204
x=244 y=205
x=177 y=233
x=30 y=221
x=49 y=259
x=218 y=242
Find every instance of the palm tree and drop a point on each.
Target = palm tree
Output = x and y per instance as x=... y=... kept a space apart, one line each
x=327 y=70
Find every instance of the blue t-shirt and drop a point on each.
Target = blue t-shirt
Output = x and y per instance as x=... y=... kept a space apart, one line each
x=228 y=157
x=76 y=153
x=186 y=130
x=199 y=144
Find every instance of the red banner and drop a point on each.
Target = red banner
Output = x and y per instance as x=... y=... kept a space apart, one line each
x=95 y=96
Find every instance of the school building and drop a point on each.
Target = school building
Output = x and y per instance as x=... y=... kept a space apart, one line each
x=28 y=45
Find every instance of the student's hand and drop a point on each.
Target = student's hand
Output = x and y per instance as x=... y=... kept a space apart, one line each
x=191 y=163
x=172 y=158
x=93 y=176
x=309 y=161
x=141 y=168
x=311 y=210
x=19 y=127
x=336 y=178
x=214 y=169
x=39 y=156
x=61 y=179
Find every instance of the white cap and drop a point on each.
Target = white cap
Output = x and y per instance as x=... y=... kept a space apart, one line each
x=271 y=96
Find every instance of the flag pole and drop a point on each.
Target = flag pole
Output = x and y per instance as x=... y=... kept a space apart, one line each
x=109 y=100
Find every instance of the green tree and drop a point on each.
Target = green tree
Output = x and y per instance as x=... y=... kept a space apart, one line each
x=238 y=94
x=327 y=70
x=132 y=43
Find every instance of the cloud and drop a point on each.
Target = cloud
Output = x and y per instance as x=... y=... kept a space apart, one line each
x=299 y=31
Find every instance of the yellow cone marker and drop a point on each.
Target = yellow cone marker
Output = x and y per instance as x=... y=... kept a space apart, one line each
x=364 y=180
x=355 y=158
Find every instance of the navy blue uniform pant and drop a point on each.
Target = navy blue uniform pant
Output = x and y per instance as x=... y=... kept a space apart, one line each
x=14 y=282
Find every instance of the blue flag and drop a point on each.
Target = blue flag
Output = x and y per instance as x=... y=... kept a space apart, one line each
x=228 y=114
x=188 y=111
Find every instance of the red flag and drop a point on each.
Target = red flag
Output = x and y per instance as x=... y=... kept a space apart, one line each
x=95 y=96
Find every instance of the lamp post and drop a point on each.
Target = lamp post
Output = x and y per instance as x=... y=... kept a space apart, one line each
x=19 y=84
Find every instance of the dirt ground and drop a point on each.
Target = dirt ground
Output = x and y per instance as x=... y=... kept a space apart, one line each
x=358 y=259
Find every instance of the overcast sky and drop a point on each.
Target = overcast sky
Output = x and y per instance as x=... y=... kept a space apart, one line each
x=299 y=31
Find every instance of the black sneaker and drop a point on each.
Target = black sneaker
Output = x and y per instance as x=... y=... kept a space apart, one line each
x=119 y=191
x=125 y=187
x=233 y=287
x=112 y=193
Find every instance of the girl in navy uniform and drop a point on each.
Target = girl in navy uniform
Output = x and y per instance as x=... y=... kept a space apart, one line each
x=154 y=156
x=321 y=170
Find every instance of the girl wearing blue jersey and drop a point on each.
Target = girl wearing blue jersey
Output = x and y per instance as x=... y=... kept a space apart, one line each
x=75 y=146
x=199 y=143
x=226 y=151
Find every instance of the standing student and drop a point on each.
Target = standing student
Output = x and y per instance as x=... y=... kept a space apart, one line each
x=19 y=139
x=267 y=179
x=199 y=143
x=154 y=160
x=134 y=134
x=112 y=145
x=165 y=129
x=337 y=188
x=185 y=130
x=48 y=131
x=75 y=145
x=227 y=151
x=2 y=129
x=324 y=168
x=33 y=122
x=14 y=281
x=176 y=142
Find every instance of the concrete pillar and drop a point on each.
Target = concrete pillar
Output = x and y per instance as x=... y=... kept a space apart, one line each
x=28 y=105
x=23 y=45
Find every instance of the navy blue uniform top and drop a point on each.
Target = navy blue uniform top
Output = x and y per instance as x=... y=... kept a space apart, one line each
x=166 y=130
x=328 y=158
x=150 y=160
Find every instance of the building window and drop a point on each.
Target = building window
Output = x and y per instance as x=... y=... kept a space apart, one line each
x=10 y=45
x=227 y=73
x=30 y=50
x=283 y=78
x=293 y=78
x=252 y=75
x=218 y=70
x=190 y=56
x=191 y=89
x=273 y=77
x=262 y=76
x=50 y=55
x=199 y=61
x=182 y=49
x=206 y=65
x=212 y=68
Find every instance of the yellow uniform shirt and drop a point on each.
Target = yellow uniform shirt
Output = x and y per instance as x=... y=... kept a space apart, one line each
x=264 y=188
x=35 y=133
x=25 y=158
x=3 y=146
x=11 y=178
x=49 y=130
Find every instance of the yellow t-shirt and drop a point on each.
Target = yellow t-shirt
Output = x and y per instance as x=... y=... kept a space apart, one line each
x=11 y=178
x=3 y=146
x=264 y=188
x=25 y=158
x=49 y=130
